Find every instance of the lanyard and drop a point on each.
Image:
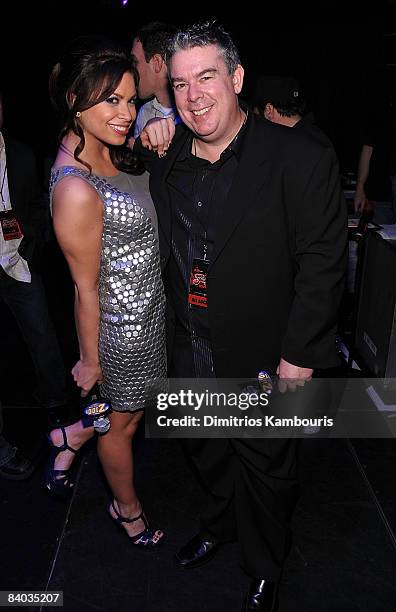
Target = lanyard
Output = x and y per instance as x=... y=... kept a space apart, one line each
x=2 y=186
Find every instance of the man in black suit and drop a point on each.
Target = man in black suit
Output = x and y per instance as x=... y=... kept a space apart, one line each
x=22 y=218
x=280 y=99
x=256 y=210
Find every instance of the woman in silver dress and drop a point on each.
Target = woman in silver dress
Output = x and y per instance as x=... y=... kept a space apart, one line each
x=106 y=226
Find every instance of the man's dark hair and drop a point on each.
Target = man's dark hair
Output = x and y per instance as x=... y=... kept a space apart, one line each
x=284 y=93
x=202 y=34
x=155 y=38
x=291 y=109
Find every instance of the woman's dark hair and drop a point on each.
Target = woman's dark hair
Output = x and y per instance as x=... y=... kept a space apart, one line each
x=88 y=73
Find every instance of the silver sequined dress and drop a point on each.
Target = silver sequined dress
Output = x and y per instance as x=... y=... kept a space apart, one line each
x=131 y=294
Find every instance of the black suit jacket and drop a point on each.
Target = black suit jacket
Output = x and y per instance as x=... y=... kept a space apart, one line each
x=26 y=197
x=277 y=273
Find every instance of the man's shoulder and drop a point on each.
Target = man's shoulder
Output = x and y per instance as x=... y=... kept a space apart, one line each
x=152 y=108
x=283 y=143
x=308 y=125
x=145 y=112
x=19 y=151
x=146 y=107
x=286 y=135
x=149 y=110
x=13 y=143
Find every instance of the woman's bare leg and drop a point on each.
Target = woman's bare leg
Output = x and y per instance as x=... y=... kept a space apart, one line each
x=77 y=435
x=115 y=453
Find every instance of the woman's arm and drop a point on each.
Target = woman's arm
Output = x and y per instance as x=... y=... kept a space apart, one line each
x=78 y=224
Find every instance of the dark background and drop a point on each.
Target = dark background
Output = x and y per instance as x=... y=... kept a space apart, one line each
x=344 y=63
x=345 y=524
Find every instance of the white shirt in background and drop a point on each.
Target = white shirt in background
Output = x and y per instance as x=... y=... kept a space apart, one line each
x=148 y=111
x=10 y=260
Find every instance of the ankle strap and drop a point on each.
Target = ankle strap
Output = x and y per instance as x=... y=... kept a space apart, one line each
x=65 y=445
x=125 y=519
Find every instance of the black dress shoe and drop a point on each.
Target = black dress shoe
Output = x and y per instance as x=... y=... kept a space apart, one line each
x=262 y=596
x=196 y=552
x=17 y=468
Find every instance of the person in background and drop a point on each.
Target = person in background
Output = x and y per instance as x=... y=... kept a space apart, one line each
x=374 y=182
x=149 y=49
x=280 y=99
x=13 y=463
x=22 y=218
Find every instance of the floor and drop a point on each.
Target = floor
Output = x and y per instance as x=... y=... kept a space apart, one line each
x=343 y=557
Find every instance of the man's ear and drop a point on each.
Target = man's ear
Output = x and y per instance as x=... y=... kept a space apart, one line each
x=269 y=111
x=157 y=62
x=237 y=79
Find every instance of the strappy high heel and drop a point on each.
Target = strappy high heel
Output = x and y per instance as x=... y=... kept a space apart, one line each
x=146 y=539
x=59 y=482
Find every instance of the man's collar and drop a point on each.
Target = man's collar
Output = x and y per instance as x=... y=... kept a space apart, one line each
x=185 y=151
x=234 y=146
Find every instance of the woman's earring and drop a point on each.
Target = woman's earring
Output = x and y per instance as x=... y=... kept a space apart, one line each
x=78 y=114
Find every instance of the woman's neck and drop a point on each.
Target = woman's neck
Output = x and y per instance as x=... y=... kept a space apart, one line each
x=96 y=154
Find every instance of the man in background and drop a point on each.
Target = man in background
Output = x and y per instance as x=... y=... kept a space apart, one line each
x=280 y=99
x=22 y=219
x=149 y=49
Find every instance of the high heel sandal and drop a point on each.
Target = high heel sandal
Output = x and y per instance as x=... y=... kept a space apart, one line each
x=146 y=539
x=58 y=482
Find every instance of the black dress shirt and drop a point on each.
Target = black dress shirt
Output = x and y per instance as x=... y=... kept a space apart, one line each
x=198 y=192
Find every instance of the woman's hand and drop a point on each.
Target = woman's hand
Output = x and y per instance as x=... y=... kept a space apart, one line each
x=86 y=375
x=157 y=135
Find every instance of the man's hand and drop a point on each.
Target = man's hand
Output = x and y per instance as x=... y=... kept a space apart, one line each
x=292 y=376
x=157 y=135
x=360 y=199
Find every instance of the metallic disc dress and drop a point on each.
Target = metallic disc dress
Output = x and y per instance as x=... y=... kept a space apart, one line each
x=131 y=295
